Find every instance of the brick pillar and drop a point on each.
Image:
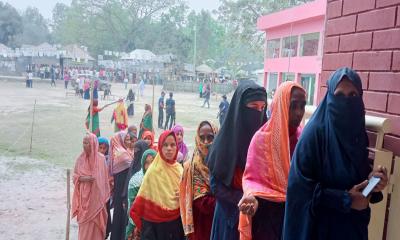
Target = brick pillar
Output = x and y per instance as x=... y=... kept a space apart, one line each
x=365 y=35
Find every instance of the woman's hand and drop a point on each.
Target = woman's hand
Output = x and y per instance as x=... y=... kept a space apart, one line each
x=358 y=201
x=248 y=205
x=86 y=179
x=380 y=172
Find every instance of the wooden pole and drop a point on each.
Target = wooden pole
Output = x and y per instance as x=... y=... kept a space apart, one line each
x=91 y=106
x=68 y=204
x=33 y=122
x=152 y=104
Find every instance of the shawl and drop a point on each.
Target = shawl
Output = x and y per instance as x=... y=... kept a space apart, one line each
x=121 y=116
x=89 y=198
x=268 y=159
x=195 y=180
x=120 y=156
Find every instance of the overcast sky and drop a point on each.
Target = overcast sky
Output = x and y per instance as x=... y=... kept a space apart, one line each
x=46 y=6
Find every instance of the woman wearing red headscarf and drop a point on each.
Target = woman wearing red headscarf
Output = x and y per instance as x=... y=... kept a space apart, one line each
x=91 y=192
x=155 y=210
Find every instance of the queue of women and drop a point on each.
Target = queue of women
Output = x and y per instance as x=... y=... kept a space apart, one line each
x=253 y=179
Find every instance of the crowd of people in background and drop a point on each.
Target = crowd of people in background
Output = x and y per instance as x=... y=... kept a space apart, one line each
x=254 y=178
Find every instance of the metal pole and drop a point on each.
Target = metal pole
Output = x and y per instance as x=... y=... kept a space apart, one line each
x=33 y=122
x=68 y=204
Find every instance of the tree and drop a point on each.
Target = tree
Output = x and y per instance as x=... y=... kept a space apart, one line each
x=10 y=24
x=241 y=17
x=35 y=28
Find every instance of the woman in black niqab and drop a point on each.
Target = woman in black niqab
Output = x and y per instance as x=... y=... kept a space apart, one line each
x=227 y=157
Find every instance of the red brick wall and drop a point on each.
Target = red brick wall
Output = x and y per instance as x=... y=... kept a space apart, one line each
x=365 y=35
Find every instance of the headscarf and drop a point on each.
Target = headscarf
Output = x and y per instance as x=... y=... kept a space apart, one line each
x=195 y=180
x=151 y=135
x=148 y=152
x=89 y=198
x=157 y=200
x=103 y=140
x=229 y=150
x=268 y=158
x=332 y=152
x=147 y=109
x=181 y=146
x=121 y=116
x=120 y=155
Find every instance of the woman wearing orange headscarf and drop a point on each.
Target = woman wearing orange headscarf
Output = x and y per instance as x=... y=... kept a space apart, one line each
x=148 y=136
x=267 y=168
x=91 y=192
x=121 y=158
x=197 y=203
x=155 y=210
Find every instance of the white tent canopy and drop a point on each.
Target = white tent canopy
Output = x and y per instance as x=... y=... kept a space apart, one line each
x=204 y=69
x=140 y=55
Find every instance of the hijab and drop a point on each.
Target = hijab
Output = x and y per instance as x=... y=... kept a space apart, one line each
x=195 y=180
x=104 y=140
x=268 y=159
x=181 y=146
x=120 y=155
x=157 y=199
x=332 y=152
x=151 y=135
x=89 y=198
x=229 y=150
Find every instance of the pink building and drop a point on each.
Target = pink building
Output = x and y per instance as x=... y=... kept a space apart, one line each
x=294 y=39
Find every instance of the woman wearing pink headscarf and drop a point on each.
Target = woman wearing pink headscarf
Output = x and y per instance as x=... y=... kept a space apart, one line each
x=121 y=158
x=183 y=150
x=91 y=192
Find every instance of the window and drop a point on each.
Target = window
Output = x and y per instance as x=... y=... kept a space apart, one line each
x=309 y=44
x=289 y=46
x=287 y=77
x=308 y=83
x=272 y=83
x=273 y=47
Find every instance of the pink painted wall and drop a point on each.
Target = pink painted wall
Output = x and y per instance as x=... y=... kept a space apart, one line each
x=307 y=18
x=306 y=11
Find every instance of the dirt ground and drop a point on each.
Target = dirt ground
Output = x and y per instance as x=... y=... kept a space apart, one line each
x=33 y=183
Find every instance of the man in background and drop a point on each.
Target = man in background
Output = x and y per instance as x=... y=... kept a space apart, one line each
x=170 y=110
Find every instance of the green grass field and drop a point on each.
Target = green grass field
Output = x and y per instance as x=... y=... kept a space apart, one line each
x=59 y=120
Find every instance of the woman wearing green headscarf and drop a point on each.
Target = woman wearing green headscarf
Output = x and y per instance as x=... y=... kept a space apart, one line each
x=147 y=121
x=134 y=185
